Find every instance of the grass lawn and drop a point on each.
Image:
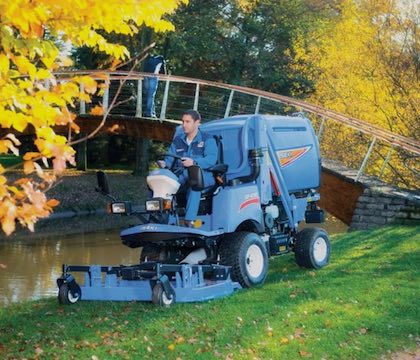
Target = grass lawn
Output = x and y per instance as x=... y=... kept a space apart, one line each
x=364 y=304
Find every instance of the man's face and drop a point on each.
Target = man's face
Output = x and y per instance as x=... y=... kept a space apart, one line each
x=189 y=125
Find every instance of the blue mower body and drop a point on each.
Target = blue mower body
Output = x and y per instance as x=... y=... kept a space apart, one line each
x=267 y=180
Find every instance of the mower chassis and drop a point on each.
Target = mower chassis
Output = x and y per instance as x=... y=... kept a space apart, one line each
x=180 y=283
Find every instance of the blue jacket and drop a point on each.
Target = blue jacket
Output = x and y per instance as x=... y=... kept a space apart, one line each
x=203 y=150
x=153 y=62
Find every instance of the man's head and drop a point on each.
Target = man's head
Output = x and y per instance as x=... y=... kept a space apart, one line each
x=190 y=122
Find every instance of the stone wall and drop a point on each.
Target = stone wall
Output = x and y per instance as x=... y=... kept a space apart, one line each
x=379 y=206
x=367 y=203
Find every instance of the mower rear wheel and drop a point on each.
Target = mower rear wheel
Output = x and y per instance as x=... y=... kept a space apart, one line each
x=312 y=248
x=160 y=297
x=65 y=295
x=247 y=254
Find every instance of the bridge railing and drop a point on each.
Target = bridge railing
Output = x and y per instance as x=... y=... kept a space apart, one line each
x=357 y=144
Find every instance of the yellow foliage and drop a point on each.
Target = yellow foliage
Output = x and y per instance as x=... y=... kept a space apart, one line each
x=361 y=66
x=31 y=96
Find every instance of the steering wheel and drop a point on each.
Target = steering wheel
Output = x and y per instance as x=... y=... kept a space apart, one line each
x=176 y=157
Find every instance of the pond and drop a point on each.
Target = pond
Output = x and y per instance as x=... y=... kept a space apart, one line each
x=29 y=268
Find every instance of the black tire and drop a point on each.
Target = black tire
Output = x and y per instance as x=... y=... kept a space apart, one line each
x=66 y=297
x=312 y=248
x=159 y=296
x=242 y=250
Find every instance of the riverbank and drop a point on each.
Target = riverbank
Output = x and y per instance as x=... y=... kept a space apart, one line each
x=363 y=305
x=77 y=196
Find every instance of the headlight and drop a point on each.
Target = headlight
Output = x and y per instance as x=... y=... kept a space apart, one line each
x=153 y=205
x=158 y=204
x=120 y=208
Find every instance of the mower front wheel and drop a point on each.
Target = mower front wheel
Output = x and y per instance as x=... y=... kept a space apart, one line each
x=247 y=254
x=312 y=248
x=160 y=297
x=68 y=297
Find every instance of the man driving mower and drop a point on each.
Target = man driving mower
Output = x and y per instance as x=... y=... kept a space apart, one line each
x=195 y=147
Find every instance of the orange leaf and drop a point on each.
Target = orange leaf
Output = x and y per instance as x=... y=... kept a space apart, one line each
x=53 y=202
x=28 y=167
x=97 y=110
x=8 y=225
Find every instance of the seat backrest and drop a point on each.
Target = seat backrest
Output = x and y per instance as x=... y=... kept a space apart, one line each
x=219 y=144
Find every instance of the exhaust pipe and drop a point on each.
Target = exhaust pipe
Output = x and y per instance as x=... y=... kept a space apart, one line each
x=254 y=156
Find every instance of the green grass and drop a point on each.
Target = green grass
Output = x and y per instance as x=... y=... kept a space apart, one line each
x=361 y=306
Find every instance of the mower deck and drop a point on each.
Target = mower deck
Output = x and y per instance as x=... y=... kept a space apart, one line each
x=162 y=284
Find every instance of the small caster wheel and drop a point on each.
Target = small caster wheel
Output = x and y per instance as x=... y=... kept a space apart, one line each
x=66 y=296
x=160 y=297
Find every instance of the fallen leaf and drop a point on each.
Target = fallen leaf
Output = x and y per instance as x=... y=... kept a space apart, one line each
x=2 y=266
x=239 y=319
x=327 y=323
x=114 y=128
x=171 y=347
x=94 y=357
x=312 y=273
x=180 y=340
x=299 y=332
x=362 y=331
x=284 y=341
x=38 y=350
x=304 y=353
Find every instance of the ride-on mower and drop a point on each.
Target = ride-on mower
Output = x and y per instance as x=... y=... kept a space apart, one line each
x=266 y=179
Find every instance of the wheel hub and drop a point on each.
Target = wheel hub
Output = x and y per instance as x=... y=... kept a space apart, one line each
x=254 y=261
x=166 y=300
x=72 y=298
x=320 y=249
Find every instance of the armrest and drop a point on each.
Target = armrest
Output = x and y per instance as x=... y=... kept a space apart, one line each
x=218 y=169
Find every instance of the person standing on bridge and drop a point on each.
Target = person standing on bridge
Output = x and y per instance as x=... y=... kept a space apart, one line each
x=154 y=65
x=196 y=148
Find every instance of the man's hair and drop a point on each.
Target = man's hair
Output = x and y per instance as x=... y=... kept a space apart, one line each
x=193 y=113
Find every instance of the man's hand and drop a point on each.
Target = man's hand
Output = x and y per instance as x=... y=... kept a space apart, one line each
x=161 y=164
x=187 y=162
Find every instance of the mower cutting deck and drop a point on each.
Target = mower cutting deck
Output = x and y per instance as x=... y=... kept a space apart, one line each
x=162 y=284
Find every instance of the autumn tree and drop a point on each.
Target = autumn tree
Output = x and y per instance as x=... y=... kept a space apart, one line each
x=34 y=100
x=365 y=63
x=242 y=42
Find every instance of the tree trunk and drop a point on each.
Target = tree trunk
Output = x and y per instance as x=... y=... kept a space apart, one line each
x=141 y=165
x=81 y=155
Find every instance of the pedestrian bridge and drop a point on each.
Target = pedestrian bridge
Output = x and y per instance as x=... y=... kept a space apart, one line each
x=357 y=156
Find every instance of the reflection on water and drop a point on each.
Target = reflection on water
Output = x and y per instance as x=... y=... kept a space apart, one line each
x=32 y=267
